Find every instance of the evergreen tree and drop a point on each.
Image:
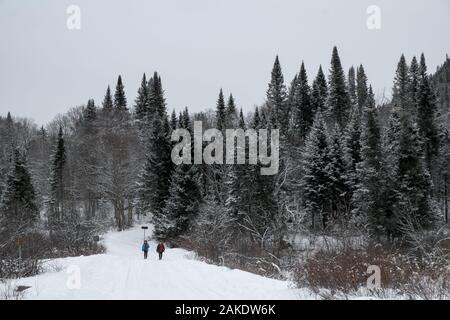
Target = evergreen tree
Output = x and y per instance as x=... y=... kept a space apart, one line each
x=339 y=192
x=155 y=175
x=18 y=203
x=262 y=206
x=107 y=101
x=371 y=136
x=57 y=182
x=352 y=149
x=277 y=100
x=180 y=120
x=372 y=200
x=361 y=88
x=401 y=96
x=90 y=112
x=141 y=103
x=414 y=75
x=426 y=115
x=120 y=101
x=156 y=100
x=231 y=112
x=319 y=94
x=291 y=96
x=186 y=119
x=413 y=208
x=239 y=182
x=401 y=110
x=338 y=97
x=173 y=120
x=184 y=196
x=316 y=178
x=256 y=119
x=220 y=112
x=303 y=114
x=352 y=91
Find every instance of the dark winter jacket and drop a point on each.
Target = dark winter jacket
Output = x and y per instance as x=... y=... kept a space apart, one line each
x=160 y=248
x=145 y=247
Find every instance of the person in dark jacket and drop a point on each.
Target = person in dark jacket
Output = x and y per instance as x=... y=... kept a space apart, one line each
x=145 y=247
x=160 y=249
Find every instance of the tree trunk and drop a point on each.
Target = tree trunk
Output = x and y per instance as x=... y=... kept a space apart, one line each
x=130 y=212
x=445 y=199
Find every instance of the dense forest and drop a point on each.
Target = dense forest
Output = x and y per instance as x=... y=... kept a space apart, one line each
x=350 y=167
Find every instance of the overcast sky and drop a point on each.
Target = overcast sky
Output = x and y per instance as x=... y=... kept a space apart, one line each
x=199 y=46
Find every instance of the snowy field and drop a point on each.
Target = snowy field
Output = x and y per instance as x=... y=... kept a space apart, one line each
x=122 y=273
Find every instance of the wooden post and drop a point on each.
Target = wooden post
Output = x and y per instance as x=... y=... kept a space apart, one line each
x=19 y=243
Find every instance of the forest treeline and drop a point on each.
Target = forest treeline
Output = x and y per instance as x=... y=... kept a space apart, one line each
x=347 y=164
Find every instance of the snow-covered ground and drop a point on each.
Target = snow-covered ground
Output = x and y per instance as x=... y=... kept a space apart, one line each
x=122 y=273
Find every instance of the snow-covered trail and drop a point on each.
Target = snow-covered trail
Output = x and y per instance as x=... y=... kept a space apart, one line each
x=122 y=273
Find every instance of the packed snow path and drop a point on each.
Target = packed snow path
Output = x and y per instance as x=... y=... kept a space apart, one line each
x=122 y=273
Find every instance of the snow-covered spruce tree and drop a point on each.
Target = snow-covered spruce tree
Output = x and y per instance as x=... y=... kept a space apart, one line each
x=107 y=105
x=89 y=114
x=184 y=195
x=120 y=101
x=371 y=200
x=57 y=183
x=413 y=207
x=316 y=179
x=185 y=119
x=301 y=109
x=339 y=191
x=401 y=94
x=361 y=87
x=141 y=105
x=352 y=92
x=87 y=159
x=338 y=98
x=238 y=182
x=352 y=149
x=277 y=100
x=220 y=112
x=157 y=169
x=263 y=219
x=414 y=76
x=18 y=205
x=231 y=113
x=174 y=120
x=215 y=174
x=401 y=106
x=426 y=115
x=39 y=163
x=319 y=93
x=408 y=179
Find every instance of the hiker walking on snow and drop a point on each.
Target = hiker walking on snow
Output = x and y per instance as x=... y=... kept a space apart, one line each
x=145 y=247
x=160 y=249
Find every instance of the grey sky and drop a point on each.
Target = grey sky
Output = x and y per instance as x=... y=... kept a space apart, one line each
x=199 y=46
